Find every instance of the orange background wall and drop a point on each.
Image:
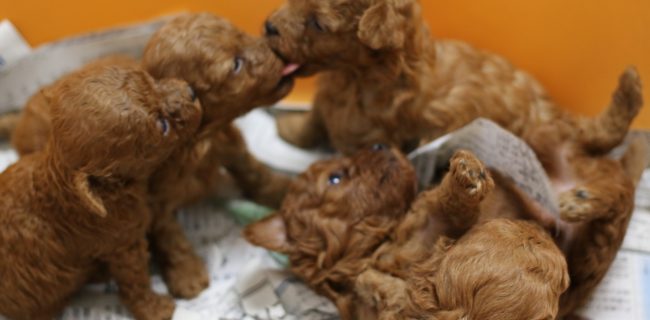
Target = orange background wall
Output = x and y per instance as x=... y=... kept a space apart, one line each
x=576 y=48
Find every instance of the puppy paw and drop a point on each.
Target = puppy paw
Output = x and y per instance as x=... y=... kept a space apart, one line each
x=576 y=205
x=291 y=128
x=154 y=307
x=470 y=175
x=387 y=294
x=187 y=278
x=629 y=95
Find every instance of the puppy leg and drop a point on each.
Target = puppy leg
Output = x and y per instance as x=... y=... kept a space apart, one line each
x=386 y=294
x=183 y=270
x=304 y=130
x=448 y=210
x=602 y=134
x=599 y=199
x=130 y=269
x=256 y=180
x=455 y=203
x=604 y=189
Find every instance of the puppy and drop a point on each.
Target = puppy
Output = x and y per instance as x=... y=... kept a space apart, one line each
x=81 y=203
x=231 y=73
x=340 y=216
x=386 y=80
x=596 y=196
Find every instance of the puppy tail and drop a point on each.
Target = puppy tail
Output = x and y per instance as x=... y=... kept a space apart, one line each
x=8 y=122
x=636 y=157
x=608 y=130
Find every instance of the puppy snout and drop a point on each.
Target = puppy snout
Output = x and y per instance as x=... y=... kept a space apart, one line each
x=270 y=30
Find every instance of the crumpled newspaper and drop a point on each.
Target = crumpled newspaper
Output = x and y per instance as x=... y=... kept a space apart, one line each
x=246 y=282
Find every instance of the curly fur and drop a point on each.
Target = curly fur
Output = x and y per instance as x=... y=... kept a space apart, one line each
x=502 y=269
x=384 y=79
x=81 y=202
x=201 y=49
x=341 y=240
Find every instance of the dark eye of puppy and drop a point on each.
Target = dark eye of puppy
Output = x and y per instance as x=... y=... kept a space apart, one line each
x=313 y=23
x=335 y=178
x=238 y=65
x=163 y=125
x=192 y=93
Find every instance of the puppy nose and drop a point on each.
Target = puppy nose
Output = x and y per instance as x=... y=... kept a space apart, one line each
x=379 y=147
x=270 y=29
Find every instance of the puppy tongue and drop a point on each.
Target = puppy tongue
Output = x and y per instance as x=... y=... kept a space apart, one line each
x=289 y=69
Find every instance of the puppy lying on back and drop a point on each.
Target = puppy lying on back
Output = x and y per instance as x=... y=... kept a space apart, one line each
x=596 y=196
x=340 y=213
x=230 y=73
x=81 y=202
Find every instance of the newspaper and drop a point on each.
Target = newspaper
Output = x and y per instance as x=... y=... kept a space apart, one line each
x=261 y=135
x=13 y=46
x=246 y=282
x=47 y=63
x=498 y=149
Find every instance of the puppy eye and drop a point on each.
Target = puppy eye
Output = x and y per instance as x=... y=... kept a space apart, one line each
x=238 y=65
x=335 y=179
x=163 y=125
x=315 y=24
x=192 y=93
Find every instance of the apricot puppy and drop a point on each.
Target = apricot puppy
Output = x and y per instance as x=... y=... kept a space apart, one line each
x=384 y=79
x=81 y=203
x=231 y=73
x=338 y=222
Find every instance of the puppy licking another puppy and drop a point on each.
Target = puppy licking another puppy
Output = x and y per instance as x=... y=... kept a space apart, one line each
x=231 y=73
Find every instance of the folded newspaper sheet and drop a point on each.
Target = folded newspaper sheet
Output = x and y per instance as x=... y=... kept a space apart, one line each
x=12 y=45
x=246 y=282
x=27 y=73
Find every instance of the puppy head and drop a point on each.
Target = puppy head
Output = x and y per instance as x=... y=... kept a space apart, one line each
x=115 y=122
x=230 y=71
x=335 y=34
x=338 y=211
x=502 y=269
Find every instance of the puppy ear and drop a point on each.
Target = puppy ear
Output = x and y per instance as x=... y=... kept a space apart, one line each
x=383 y=26
x=269 y=233
x=87 y=197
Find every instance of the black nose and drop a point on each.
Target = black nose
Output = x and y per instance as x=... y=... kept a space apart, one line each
x=379 y=147
x=270 y=29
